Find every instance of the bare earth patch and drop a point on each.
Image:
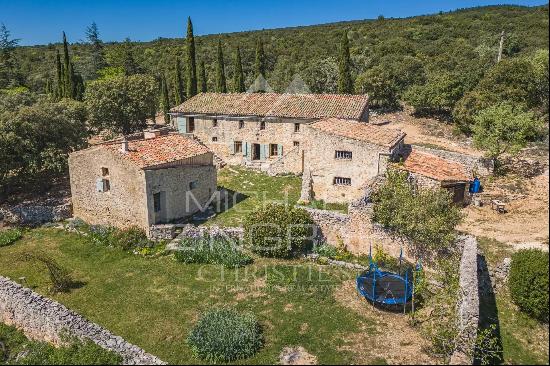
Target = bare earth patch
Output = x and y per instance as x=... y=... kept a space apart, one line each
x=525 y=224
x=394 y=340
x=426 y=132
x=296 y=356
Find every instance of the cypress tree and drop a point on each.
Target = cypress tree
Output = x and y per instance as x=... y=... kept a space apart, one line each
x=60 y=77
x=238 y=76
x=202 y=77
x=345 y=84
x=68 y=86
x=191 y=61
x=221 y=86
x=259 y=65
x=165 y=99
x=179 y=87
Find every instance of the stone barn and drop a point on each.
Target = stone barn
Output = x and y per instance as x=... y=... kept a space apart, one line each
x=144 y=180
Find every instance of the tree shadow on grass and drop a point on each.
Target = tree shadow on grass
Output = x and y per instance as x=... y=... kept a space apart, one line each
x=488 y=313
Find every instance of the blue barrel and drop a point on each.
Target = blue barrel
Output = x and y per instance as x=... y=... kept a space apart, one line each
x=475 y=186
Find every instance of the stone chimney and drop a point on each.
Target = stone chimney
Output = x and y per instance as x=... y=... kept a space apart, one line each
x=151 y=134
x=124 y=145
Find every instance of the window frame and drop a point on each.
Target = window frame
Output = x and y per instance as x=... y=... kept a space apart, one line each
x=241 y=124
x=263 y=125
x=341 y=181
x=238 y=147
x=297 y=127
x=343 y=155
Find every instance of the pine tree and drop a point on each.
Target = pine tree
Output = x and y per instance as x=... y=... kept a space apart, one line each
x=345 y=84
x=259 y=65
x=68 y=86
x=129 y=63
x=191 y=61
x=221 y=86
x=97 y=58
x=179 y=87
x=165 y=99
x=202 y=78
x=238 y=76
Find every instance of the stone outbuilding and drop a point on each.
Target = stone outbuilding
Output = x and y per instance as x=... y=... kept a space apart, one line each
x=432 y=171
x=153 y=178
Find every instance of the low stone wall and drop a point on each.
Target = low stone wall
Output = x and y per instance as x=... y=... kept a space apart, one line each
x=37 y=213
x=43 y=319
x=468 y=306
x=355 y=231
x=290 y=162
x=191 y=231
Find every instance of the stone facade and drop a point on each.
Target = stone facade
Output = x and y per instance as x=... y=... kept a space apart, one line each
x=367 y=161
x=251 y=141
x=44 y=319
x=136 y=195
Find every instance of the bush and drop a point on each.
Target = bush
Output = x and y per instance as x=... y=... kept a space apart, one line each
x=60 y=278
x=212 y=250
x=130 y=238
x=223 y=335
x=10 y=236
x=279 y=231
x=326 y=250
x=528 y=282
x=126 y=239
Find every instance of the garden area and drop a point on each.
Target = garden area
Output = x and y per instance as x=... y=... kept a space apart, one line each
x=156 y=301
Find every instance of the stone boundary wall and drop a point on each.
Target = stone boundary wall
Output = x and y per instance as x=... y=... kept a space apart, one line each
x=481 y=165
x=44 y=319
x=468 y=305
x=37 y=213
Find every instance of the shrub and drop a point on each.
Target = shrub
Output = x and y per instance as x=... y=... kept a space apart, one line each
x=528 y=282
x=212 y=250
x=9 y=237
x=223 y=335
x=60 y=278
x=326 y=250
x=126 y=239
x=130 y=238
x=277 y=230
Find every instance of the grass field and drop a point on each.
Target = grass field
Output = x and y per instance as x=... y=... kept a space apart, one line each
x=524 y=340
x=251 y=189
x=154 y=302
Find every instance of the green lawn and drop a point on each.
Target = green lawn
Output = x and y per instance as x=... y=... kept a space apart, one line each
x=524 y=340
x=250 y=189
x=154 y=302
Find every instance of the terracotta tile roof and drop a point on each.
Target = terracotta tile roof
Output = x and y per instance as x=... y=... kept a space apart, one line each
x=276 y=105
x=148 y=153
x=434 y=167
x=361 y=131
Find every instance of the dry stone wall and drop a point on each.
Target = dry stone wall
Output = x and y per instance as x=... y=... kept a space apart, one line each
x=46 y=320
x=468 y=306
x=37 y=213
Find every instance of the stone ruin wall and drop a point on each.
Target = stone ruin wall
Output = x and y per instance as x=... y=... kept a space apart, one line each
x=43 y=319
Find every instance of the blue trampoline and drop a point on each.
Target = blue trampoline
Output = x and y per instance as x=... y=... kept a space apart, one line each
x=386 y=288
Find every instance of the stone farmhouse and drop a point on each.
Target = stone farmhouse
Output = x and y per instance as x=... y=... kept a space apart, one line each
x=326 y=135
x=165 y=176
x=150 y=178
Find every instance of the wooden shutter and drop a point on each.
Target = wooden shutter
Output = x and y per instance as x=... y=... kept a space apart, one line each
x=182 y=124
x=99 y=185
x=232 y=147
x=280 y=150
x=263 y=152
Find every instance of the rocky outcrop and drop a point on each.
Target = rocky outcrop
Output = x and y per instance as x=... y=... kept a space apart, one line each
x=44 y=319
